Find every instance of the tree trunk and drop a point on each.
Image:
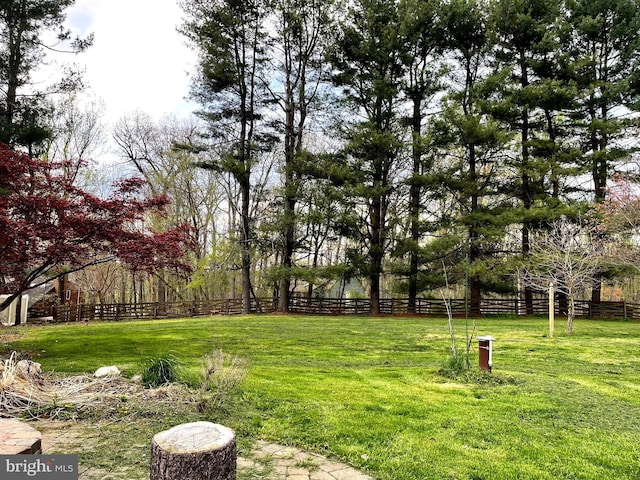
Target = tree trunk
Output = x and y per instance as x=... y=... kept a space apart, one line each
x=596 y=291
x=571 y=312
x=563 y=303
x=287 y=253
x=475 y=296
x=414 y=203
x=245 y=238
x=288 y=228
x=374 y=294
x=18 y=316
x=376 y=252
x=527 y=193
x=194 y=451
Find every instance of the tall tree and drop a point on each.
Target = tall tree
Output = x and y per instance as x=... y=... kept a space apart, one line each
x=605 y=48
x=78 y=133
x=424 y=67
x=300 y=47
x=473 y=141
x=23 y=24
x=230 y=38
x=367 y=63
x=152 y=150
x=525 y=35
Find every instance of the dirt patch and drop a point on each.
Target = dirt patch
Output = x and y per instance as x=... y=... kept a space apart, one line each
x=73 y=437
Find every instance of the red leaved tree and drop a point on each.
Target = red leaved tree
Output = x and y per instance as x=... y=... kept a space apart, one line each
x=49 y=227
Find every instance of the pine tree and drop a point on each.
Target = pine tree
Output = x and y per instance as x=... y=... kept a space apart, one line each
x=420 y=29
x=298 y=74
x=22 y=51
x=230 y=38
x=367 y=63
x=605 y=54
x=527 y=38
x=474 y=143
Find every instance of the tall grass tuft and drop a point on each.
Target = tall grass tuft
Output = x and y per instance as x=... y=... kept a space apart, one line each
x=222 y=375
x=160 y=370
x=455 y=364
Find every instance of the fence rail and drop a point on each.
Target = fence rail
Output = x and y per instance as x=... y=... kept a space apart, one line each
x=326 y=306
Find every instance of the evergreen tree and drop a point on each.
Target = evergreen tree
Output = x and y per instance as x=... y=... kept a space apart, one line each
x=367 y=63
x=526 y=36
x=298 y=75
x=230 y=38
x=423 y=64
x=23 y=24
x=606 y=61
x=474 y=143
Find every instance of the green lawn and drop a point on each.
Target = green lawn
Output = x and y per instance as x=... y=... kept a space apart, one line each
x=367 y=390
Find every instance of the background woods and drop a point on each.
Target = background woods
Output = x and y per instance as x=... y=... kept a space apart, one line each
x=345 y=149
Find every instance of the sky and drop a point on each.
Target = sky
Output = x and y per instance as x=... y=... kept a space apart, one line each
x=138 y=60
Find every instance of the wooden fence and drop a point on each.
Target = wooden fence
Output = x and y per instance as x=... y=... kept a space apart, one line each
x=325 y=306
x=124 y=311
x=437 y=307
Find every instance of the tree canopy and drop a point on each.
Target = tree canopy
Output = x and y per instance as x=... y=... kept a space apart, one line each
x=344 y=146
x=23 y=106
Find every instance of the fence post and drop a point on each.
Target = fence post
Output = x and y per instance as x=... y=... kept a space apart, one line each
x=552 y=309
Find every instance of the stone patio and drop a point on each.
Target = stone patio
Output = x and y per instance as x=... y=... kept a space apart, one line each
x=17 y=438
x=293 y=464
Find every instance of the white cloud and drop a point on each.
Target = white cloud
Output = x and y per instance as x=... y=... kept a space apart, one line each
x=138 y=61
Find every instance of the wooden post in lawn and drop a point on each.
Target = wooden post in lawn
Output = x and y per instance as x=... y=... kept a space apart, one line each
x=552 y=309
x=194 y=451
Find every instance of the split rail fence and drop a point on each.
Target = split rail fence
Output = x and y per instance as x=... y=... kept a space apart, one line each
x=324 y=306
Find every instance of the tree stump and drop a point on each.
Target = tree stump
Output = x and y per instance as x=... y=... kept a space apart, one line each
x=194 y=451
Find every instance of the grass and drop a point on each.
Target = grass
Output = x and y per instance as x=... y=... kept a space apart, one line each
x=367 y=391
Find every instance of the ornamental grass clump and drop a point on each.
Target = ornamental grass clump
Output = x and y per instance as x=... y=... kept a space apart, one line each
x=222 y=375
x=456 y=364
x=160 y=370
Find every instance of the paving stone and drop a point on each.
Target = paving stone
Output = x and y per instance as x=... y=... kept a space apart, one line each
x=297 y=471
x=319 y=475
x=245 y=463
x=286 y=452
x=19 y=438
x=270 y=447
x=331 y=466
x=349 y=474
x=281 y=470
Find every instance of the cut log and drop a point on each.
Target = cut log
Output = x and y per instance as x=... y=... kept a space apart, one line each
x=194 y=451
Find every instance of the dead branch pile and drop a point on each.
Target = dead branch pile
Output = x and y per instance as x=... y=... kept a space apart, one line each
x=25 y=390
